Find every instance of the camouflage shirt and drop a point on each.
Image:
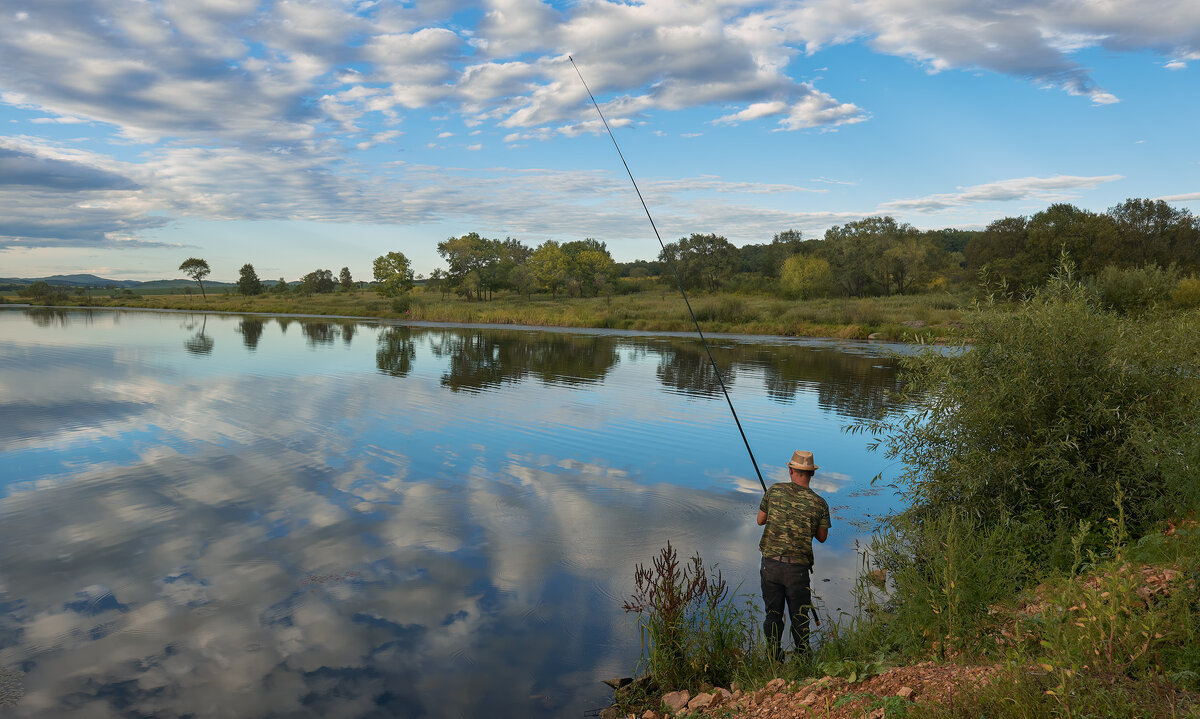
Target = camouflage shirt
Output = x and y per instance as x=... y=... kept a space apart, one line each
x=794 y=514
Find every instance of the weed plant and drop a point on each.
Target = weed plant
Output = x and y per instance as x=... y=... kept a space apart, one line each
x=692 y=633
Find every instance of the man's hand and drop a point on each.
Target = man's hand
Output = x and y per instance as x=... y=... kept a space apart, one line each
x=762 y=519
x=822 y=534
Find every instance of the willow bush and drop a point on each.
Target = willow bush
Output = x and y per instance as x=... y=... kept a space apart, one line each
x=1053 y=410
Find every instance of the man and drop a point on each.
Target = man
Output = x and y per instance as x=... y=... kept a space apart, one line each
x=792 y=514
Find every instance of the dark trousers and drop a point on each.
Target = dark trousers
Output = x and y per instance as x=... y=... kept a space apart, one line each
x=785 y=583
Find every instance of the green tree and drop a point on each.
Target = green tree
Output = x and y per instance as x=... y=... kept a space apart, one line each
x=589 y=266
x=523 y=280
x=549 y=265
x=248 y=282
x=855 y=252
x=197 y=269
x=394 y=274
x=317 y=281
x=1153 y=231
x=807 y=277
x=703 y=261
x=345 y=280
x=281 y=287
x=1062 y=227
x=471 y=255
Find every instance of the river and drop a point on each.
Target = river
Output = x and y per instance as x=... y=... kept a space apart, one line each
x=248 y=516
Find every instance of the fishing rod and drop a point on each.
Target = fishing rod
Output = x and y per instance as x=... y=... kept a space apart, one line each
x=674 y=271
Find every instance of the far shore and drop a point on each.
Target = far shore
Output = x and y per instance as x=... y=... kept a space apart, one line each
x=900 y=318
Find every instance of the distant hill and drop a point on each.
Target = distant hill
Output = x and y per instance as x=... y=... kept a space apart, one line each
x=84 y=280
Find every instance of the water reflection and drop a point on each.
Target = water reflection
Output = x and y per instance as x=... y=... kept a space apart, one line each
x=251 y=330
x=283 y=533
x=199 y=343
x=396 y=351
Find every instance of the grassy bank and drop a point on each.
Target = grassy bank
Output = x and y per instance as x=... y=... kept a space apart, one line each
x=1048 y=561
x=929 y=317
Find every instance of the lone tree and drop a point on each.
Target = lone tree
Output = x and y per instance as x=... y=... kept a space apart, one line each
x=394 y=274
x=197 y=269
x=345 y=280
x=248 y=282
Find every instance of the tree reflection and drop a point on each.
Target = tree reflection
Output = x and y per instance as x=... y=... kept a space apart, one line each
x=251 y=329
x=853 y=385
x=684 y=367
x=199 y=343
x=396 y=351
x=481 y=360
x=850 y=384
x=47 y=317
x=319 y=333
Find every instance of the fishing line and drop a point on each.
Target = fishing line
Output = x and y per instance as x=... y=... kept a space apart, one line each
x=674 y=271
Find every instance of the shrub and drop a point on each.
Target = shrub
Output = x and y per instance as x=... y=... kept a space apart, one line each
x=1186 y=294
x=1134 y=289
x=1054 y=408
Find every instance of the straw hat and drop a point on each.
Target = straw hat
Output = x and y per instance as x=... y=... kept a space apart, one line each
x=802 y=460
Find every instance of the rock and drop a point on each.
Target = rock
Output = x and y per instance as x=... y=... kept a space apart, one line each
x=650 y=714
x=905 y=692
x=721 y=696
x=737 y=693
x=700 y=701
x=876 y=713
x=610 y=713
x=735 y=687
x=676 y=700
x=874 y=336
x=775 y=685
x=617 y=683
x=808 y=700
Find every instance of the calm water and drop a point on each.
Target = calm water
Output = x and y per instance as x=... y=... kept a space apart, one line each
x=206 y=515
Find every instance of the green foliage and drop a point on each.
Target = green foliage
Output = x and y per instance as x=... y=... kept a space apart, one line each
x=946 y=569
x=394 y=274
x=1053 y=406
x=807 y=277
x=1186 y=294
x=248 y=282
x=1134 y=289
x=702 y=261
x=345 y=281
x=692 y=634
x=318 y=282
x=45 y=293
x=197 y=269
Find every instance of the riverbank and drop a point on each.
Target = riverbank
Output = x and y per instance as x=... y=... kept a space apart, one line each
x=1047 y=536
x=1069 y=646
x=928 y=318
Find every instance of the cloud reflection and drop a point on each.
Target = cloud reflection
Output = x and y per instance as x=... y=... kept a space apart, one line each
x=237 y=542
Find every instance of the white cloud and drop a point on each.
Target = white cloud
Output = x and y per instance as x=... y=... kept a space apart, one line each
x=1043 y=188
x=1185 y=197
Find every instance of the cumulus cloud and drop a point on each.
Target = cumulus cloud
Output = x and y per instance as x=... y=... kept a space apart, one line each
x=286 y=87
x=1043 y=188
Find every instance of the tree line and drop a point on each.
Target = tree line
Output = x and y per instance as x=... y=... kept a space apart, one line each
x=869 y=257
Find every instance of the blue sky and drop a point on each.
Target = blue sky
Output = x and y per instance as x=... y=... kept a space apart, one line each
x=305 y=134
